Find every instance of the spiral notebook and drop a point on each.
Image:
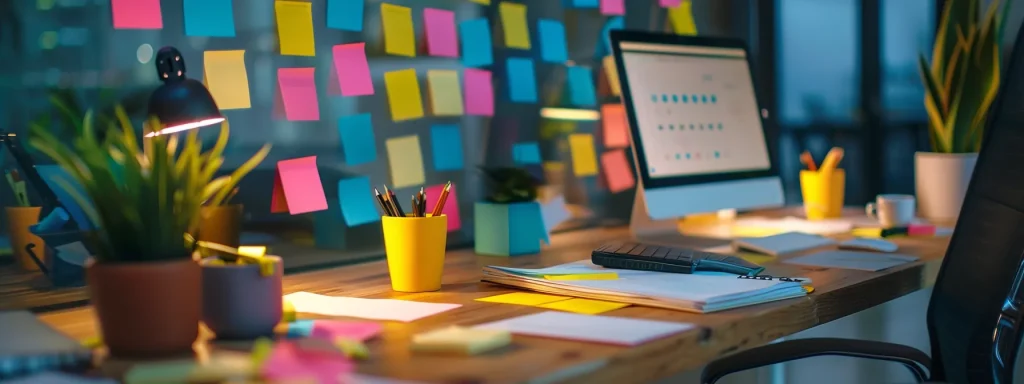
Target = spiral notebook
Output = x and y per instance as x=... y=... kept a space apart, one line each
x=30 y=346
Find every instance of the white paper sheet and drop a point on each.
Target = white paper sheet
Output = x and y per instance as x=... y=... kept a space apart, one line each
x=553 y=213
x=598 y=329
x=373 y=309
x=864 y=261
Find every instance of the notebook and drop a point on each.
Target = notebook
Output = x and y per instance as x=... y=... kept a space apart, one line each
x=30 y=346
x=864 y=261
x=783 y=243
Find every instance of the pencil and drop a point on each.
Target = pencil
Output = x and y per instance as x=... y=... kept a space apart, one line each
x=382 y=202
x=415 y=206
x=441 y=200
x=394 y=203
x=423 y=203
x=808 y=160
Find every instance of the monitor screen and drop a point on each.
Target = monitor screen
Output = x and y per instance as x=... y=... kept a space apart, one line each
x=695 y=108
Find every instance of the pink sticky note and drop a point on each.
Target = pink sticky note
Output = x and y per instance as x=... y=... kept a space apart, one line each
x=359 y=331
x=618 y=175
x=300 y=186
x=298 y=93
x=451 y=205
x=439 y=28
x=614 y=126
x=670 y=3
x=613 y=7
x=478 y=92
x=351 y=69
x=288 y=362
x=137 y=14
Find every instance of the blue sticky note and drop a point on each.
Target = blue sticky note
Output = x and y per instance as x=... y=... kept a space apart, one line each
x=581 y=87
x=476 y=42
x=526 y=153
x=210 y=18
x=604 y=42
x=446 y=141
x=522 y=81
x=56 y=178
x=585 y=3
x=552 y=41
x=346 y=15
x=357 y=202
x=299 y=329
x=357 y=140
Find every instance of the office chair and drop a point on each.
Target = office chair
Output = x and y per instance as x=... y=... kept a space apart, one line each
x=974 y=314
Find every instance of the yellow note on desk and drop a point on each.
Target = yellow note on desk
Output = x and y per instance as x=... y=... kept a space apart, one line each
x=584 y=158
x=588 y=276
x=681 y=18
x=584 y=306
x=224 y=74
x=295 y=28
x=523 y=298
x=513 y=23
x=399 y=38
x=404 y=95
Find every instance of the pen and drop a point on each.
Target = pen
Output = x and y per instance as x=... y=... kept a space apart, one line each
x=441 y=200
x=808 y=161
x=415 y=206
x=382 y=202
x=832 y=159
x=423 y=203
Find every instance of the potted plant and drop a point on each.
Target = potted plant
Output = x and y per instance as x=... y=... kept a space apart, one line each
x=221 y=220
x=509 y=222
x=960 y=86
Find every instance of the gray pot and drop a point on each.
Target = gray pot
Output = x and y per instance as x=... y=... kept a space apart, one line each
x=238 y=302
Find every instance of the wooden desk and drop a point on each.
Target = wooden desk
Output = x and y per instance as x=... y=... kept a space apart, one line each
x=838 y=293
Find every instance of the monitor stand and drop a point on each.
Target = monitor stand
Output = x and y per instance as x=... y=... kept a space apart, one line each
x=666 y=231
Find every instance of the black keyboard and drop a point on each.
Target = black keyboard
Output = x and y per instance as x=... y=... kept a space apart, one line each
x=647 y=257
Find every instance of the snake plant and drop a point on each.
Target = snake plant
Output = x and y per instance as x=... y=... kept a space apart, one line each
x=964 y=75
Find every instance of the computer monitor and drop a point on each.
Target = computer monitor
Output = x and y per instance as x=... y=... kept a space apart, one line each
x=696 y=126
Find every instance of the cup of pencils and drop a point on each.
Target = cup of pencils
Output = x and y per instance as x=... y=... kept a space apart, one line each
x=414 y=240
x=19 y=219
x=823 y=187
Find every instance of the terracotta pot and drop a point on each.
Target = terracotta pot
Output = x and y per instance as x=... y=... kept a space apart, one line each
x=147 y=309
x=221 y=224
x=19 y=219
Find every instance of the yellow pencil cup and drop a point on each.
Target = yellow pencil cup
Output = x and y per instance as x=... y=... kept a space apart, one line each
x=823 y=199
x=415 y=251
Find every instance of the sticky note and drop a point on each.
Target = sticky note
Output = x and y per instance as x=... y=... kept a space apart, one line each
x=346 y=15
x=353 y=330
x=585 y=3
x=352 y=70
x=446 y=143
x=290 y=363
x=478 y=92
x=482 y=2
x=526 y=153
x=581 y=87
x=406 y=161
x=300 y=328
x=226 y=78
x=461 y=341
x=355 y=196
x=611 y=72
x=477 y=50
x=210 y=18
x=604 y=41
x=586 y=276
x=617 y=171
x=404 y=94
x=613 y=126
x=523 y=298
x=399 y=38
x=298 y=94
x=295 y=27
x=583 y=306
x=137 y=14
x=451 y=205
x=613 y=7
x=522 y=81
x=513 y=23
x=357 y=139
x=553 y=48
x=444 y=92
x=297 y=187
x=439 y=29
x=584 y=159
x=669 y=3
x=681 y=18
x=252 y=250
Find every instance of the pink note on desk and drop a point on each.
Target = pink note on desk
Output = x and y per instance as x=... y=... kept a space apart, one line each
x=288 y=362
x=136 y=14
x=298 y=93
x=351 y=69
x=297 y=187
x=359 y=331
x=439 y=28
x=478 y=92
x=451 y=205
x=617 y=172
x=613 y=7
x=670 y=3
x=614 y=128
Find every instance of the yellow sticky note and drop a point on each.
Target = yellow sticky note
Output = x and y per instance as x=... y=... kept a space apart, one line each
x=484 y=2
x=404 y=94
x=513 y=23
x=406 y=161
x=287 y=311
x=459 y=340
x=399 y=38
x=295 y=27
x=584 y=306
x=225 y=76
x=445 y=93
x=92 y=342
x=252 y=250
x=588 y=276
x=613 y=75
x=553 y=166
x=681 y=18
x=584 y=158
x=523 y=298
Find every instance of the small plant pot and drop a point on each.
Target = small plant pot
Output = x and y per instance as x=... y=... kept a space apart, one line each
x=240 y=303
x=221 y=224
x=146 y=310
x=508 y=229
x=19 y=219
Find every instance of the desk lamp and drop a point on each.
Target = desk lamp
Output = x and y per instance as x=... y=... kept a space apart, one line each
x=180 y=103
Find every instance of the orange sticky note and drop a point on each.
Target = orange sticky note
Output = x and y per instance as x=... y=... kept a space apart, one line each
x=617 y=172
x=584 y=158
x=298 y=94
x=297 y=187
x=399 y=38
x=295 y=27
x=614 y=126
x=136 y=14
x=224 y=74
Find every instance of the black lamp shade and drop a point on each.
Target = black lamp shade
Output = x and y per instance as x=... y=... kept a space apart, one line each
x=180 y=103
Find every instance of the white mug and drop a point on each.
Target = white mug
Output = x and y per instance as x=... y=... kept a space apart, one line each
x=893 y=211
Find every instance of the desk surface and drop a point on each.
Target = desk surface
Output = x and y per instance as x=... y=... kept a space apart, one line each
x=838 y=293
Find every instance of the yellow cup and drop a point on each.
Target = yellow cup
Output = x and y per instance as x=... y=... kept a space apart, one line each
x=823 y=199
x=19 y=219
x=415 y=251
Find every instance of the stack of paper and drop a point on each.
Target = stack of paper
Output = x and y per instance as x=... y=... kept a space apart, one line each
x=702 y=292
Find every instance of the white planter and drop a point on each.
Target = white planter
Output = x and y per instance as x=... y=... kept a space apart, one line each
x=941 y=183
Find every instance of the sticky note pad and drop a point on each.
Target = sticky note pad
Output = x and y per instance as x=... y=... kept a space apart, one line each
x=298 y=94
x=522 y=81
x=513 y=23
x=459 y=340
x=477 y=50
x=613 y=7
x=406 y=161
x=137 y=14
x=346 y=15
x=399 y=38
x=439 y=28
x=584 y=159
x=526 y=153
x=523 y=298
x=357 y=139
x=446 y=143
x=404 y=94
x=451 y=205
x=553 y=48
x=295 y=27
x=210 y=18
x=352 y=70
x=444 y=92
x=482 y=2
x=585 y=3
x=613 y=126
x=611 y=72
x=584 y=306
x=226 y=78
x=355 y=196
x=581 y=87
x=669 y=3
x=617 y=171
x=478 y=92
x=352 y=330
x=681 y=18
x=297 y=187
